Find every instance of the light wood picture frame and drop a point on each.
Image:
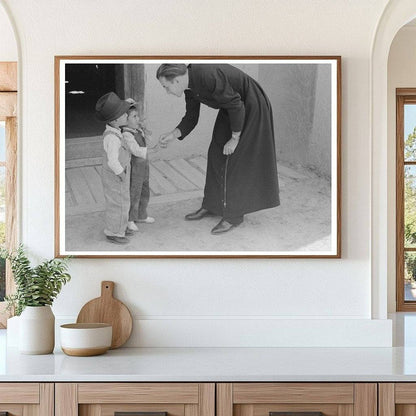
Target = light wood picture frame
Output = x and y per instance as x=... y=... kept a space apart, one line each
x=302 y=215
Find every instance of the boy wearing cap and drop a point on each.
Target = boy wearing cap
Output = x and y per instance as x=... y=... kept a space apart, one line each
x=116 y=166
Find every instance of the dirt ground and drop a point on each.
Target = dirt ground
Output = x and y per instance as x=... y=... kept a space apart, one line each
x=302 y=223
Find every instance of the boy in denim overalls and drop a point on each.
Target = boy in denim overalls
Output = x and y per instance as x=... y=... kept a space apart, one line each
x=116 y=166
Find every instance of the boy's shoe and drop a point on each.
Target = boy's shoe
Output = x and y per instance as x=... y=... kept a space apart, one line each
x=132 y=226
x=117 y=240
x=129 y=232
x=148 y=220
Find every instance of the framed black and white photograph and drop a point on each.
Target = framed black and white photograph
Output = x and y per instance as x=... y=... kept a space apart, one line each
x=198 y=156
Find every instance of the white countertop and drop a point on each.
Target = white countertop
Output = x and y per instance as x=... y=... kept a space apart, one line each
x=222 y=364
x=213 y=364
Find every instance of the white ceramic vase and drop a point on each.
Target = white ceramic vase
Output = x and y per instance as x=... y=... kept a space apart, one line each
x=37 y=330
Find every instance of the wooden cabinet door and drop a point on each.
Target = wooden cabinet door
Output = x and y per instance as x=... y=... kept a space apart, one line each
x=397 y=399
x=297 y=399
x=27 y=399
x=107 y=399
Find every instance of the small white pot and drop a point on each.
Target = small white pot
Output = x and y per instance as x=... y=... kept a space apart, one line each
x=85 y=339
x=37 y=330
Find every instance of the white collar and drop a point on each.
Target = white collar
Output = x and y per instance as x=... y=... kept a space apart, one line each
x=112 y=129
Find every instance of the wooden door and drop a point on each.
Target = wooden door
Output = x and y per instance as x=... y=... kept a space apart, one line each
x=27 y=399
x=397 y=399
x=153 y=399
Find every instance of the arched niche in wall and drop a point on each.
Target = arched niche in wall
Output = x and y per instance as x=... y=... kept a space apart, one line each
x=396 y=14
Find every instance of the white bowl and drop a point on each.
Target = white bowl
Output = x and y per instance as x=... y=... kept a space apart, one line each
x=84 y=340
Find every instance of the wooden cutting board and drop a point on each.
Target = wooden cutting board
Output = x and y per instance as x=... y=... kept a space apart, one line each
x=107 y=309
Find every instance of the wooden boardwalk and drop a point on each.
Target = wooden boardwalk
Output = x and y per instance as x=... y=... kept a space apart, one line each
x=170 y=181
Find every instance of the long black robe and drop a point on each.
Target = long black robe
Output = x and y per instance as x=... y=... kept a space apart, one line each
x=245 y=181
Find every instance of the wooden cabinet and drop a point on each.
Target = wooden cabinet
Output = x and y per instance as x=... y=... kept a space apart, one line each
x=27 y=399
x=263 y=399
x=106 y=399
x=397 y=399
x=208 y=399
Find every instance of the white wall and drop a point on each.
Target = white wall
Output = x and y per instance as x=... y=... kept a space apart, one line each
x=210 y=302
x=8 y=46
x=302 y=126
x=401 y=74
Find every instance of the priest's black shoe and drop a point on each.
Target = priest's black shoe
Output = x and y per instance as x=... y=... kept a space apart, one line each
x=198 y=215
x=223 y=227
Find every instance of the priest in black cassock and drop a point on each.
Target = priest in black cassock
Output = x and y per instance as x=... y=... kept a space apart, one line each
x=241 y=171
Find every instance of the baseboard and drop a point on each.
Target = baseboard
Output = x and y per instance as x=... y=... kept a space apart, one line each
x=165 y=332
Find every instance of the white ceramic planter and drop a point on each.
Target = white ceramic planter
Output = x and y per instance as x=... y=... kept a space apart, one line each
x=37 y=330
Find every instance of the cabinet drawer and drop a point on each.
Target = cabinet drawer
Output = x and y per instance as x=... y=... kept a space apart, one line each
x=107 y=399
x=296 y=399
x=138 y=393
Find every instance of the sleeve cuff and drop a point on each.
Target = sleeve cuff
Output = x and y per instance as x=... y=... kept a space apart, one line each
x=119 y=171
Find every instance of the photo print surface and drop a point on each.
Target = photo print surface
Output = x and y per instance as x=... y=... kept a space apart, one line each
x=198 y=157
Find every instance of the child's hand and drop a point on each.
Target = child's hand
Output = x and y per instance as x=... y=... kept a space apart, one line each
x=122 y=176
x=153 y=149
x=152 y=145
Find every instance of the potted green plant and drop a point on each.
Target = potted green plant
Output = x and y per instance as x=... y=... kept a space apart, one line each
x=36 y=289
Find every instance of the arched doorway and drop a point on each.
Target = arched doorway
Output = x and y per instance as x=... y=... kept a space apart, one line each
x=396 y=14
x=402 y=170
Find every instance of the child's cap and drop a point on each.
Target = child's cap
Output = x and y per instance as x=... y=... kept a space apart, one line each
x=109 y=107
